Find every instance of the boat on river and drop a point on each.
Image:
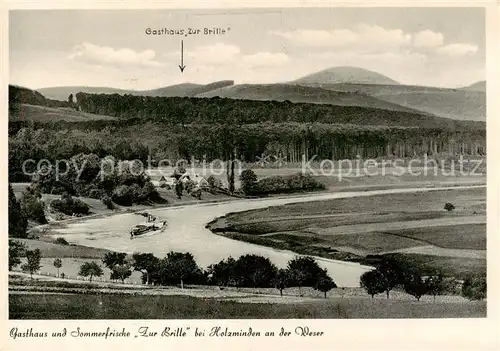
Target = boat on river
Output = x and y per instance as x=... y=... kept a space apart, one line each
x=148 y=227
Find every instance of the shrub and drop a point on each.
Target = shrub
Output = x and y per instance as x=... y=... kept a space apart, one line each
x=196 y=193
x=96 y=193
x=108 y=202
x=287 y=184
x=248 y=180
x=123 y=195
x=58 y=190
x=61 y=241
x=449 y=206
x=33 y=206
x=189 y=185
x=474 y=288
x=214 y=182
x=67 y=205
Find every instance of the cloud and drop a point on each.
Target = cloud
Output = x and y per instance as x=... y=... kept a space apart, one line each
x=427 y=39
x=220 y=54
x=371 y=39
x=264 y=59
x=104 y=55
x=319 y=38
x=364 y=37
x=216 y=54
x=457 y=49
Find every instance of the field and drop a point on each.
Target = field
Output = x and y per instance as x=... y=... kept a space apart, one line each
x=51 y=250
x=44 y=114
x=414 y=225
x=78 y=306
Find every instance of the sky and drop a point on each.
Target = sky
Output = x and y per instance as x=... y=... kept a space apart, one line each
x=442 y=47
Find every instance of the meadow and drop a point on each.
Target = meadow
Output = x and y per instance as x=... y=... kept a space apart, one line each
x=411 y=225
x=78 y=306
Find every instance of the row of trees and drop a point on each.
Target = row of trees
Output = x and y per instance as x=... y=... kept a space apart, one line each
x=393 y=274
x=289 y=141
x=179 y=268
x=253 y=271
x=277 y=184
x=185 y=110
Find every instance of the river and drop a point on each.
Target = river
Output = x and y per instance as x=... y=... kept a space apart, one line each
x=186 y=232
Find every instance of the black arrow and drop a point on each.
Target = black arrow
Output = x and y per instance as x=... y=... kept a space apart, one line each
x=182 y=57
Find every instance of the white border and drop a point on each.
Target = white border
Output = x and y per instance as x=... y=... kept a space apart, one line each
x=439 y=334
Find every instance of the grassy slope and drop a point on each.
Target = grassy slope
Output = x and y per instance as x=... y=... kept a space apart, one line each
x=458 y=104
x=302 y=94
x=70 y=306
x=185 y=89
x=388 y=203
x=44 y=114
x=290 y=231
x=51 y=250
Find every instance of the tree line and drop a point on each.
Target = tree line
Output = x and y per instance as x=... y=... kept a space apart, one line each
x=290 y=141
x=392 y=273
x=187 y=110
x=180 y=268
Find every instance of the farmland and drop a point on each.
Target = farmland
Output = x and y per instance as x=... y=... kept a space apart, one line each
x=412 y=225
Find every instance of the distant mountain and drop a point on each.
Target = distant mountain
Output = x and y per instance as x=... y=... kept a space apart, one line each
x=185 y=89
x=62 y=93
x=345 y=74
x=479 y=86
x=460 y=104
x=302 y=94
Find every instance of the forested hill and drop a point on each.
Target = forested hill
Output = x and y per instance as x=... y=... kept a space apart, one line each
x=186 y=110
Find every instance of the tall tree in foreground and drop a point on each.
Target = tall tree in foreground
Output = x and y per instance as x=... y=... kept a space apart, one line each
x=254 y=271
x=112 y=259
x=32 y=265
x=58 y=264
x=17 y=218
x=415 y=285
x=325 y=284
x=179 y=267
x=90 y=269
x=120 y=272
x=16 y=250
x=373 y=282
x=394 y=273
x=304 y=271
x=147 y=264
x=282 y=280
